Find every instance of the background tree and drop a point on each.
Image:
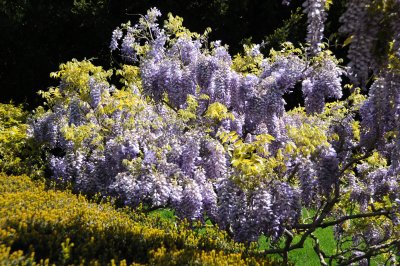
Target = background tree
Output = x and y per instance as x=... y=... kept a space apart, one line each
x=39 y=35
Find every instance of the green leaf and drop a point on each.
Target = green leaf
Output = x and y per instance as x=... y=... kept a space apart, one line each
x=217 y=111
x=347 y=41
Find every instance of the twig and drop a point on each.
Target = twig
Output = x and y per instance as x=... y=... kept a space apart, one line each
x=317 y=249
x=372 y=251
x=344 y=218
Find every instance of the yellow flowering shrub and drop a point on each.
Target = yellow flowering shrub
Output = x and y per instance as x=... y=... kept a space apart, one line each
x=45 y=226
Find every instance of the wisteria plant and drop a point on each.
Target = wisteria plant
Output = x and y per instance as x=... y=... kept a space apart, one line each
x=194 y=129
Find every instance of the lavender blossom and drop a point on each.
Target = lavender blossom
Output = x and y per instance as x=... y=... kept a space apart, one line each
x=316 y=16
x=116 y=36
x=323 y=81
x=138 y=146
x=328 y=168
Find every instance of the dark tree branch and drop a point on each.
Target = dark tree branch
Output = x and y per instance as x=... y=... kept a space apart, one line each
x=342 y=219
x=288 y=242
x=371 y=251
x=320 y=253
x=355 y=160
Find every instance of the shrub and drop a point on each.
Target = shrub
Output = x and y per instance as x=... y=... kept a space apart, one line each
x=18 y=153
x=61 y=228
x=195 y=130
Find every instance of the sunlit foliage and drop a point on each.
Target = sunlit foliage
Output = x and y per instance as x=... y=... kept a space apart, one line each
x=207 y=134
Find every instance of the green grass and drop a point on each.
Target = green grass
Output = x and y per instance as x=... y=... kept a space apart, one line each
x=166 y=214
x=307 y=255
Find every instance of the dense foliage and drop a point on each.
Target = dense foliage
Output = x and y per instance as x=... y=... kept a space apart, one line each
x=207 y=134
x=183 y=124
x=19 y=153
x=47 y=227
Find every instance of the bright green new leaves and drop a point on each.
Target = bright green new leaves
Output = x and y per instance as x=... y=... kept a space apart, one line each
x=174 y=26
x=249 y=158
x=189 y=113
x=18 y=154
x=12 y=136
x=218 y=112
x=287 y=49
x=87 y=132
x=248 y=62
x=123 y=100
x=252 y=161
x=130 y=76
x=75 y=75
x=306 y=139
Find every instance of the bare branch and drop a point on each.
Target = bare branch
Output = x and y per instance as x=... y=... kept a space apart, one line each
x=342 y=219
x=371 y=251
x=355 y=160
x=320 y=253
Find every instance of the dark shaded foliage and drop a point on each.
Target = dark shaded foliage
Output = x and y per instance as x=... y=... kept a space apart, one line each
x=38 y=35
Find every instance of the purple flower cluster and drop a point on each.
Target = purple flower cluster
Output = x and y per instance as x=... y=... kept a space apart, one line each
x=354 y=22
x=371 y=27
x=380 y=112
x=147 y=154
x=138 y=146
x=316 y=16
x=323 y=81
